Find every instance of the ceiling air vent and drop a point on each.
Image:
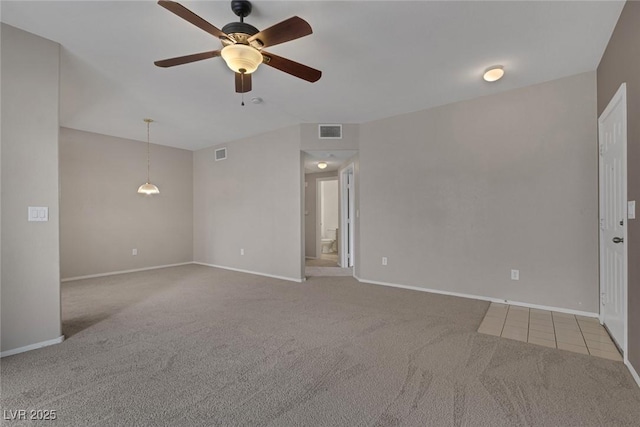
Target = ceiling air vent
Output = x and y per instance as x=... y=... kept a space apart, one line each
x=221 y=154
x=330 y=131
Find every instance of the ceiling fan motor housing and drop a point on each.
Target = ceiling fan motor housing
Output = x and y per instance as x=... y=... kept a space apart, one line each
x=239 y=31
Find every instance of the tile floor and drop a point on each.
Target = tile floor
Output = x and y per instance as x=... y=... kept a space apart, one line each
x=549 y=328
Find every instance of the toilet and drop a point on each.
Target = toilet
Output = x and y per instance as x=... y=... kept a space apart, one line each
x=329 y=242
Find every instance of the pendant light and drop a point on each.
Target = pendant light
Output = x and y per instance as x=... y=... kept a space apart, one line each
x=148 y=188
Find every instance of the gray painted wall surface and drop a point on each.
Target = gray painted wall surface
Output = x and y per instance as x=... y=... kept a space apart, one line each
x=621 y=63
x=310 y=207
x=251 y=201
x=99 y=229
x=459 y=195
x=30 y=250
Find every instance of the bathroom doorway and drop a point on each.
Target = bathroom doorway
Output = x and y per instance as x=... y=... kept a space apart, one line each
x=327 y=219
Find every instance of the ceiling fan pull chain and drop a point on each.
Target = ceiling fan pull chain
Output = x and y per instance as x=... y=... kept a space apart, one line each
x=242 y=85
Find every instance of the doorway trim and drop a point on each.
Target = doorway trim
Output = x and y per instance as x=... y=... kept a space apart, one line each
x=347 y=214
x=619 y=100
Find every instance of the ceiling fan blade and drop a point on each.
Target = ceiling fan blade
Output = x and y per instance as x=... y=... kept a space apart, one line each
x=243 y=87
x=291 y=67
x=187 y=59
x=290 y=29
x=189 y=16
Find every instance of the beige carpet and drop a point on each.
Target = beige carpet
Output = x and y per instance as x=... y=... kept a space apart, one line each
x=198 y=346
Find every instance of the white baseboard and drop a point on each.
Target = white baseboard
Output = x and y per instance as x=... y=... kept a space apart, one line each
x=257 y=273
x=547 y=308
x=634 y=374
x=112 y=273
x=32 y=346
x=479 y=297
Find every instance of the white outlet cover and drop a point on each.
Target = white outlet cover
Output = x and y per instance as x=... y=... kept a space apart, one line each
x=515 y=274
x=631 y=209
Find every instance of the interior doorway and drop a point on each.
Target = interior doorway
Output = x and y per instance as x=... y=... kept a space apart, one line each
x=327 y=219
x=612 y=135
x=325 y=230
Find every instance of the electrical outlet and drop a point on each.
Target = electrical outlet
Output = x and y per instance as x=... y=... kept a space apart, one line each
x=515 y=274
x=241 y=251
x=384 y=260
x=134 y=252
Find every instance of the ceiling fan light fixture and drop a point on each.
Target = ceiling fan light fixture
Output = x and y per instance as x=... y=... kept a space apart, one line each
x=241 y=57
x=322 y=165
x=493 y=73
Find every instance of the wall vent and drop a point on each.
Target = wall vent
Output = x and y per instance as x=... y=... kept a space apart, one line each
x=221 y=154
x=330 y=131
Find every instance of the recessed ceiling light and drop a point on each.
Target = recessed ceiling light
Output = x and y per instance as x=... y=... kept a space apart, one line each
x=322 y=165
x=494 y=73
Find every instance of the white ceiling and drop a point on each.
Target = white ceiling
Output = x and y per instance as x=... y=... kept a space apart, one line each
x=379 y=59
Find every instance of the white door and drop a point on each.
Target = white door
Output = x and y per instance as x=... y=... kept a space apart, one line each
x=612 y=126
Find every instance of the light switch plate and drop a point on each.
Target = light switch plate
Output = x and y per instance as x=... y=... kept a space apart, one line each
x=631 y=209
x=38 y=213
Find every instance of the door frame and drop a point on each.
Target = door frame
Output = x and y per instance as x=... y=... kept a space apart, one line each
x=347 y=211
x=618 y=100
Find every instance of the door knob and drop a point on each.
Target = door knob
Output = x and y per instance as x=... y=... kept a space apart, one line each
x=618 y=240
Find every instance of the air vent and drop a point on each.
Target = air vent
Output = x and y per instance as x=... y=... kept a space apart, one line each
x=330 y=131
x=221 y=153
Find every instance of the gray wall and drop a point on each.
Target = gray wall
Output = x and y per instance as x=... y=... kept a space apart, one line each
x=621 y=63
x=459 y=195
x=310 y=207
x=251 y=201
x=30 y=250
x=102 y=217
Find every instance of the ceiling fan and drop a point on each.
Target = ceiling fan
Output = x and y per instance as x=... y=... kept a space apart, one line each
x=242 y=44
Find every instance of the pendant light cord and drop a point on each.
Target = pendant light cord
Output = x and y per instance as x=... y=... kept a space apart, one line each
x=148 y=145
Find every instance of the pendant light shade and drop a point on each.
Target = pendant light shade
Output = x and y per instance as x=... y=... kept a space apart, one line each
x=147 y=187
